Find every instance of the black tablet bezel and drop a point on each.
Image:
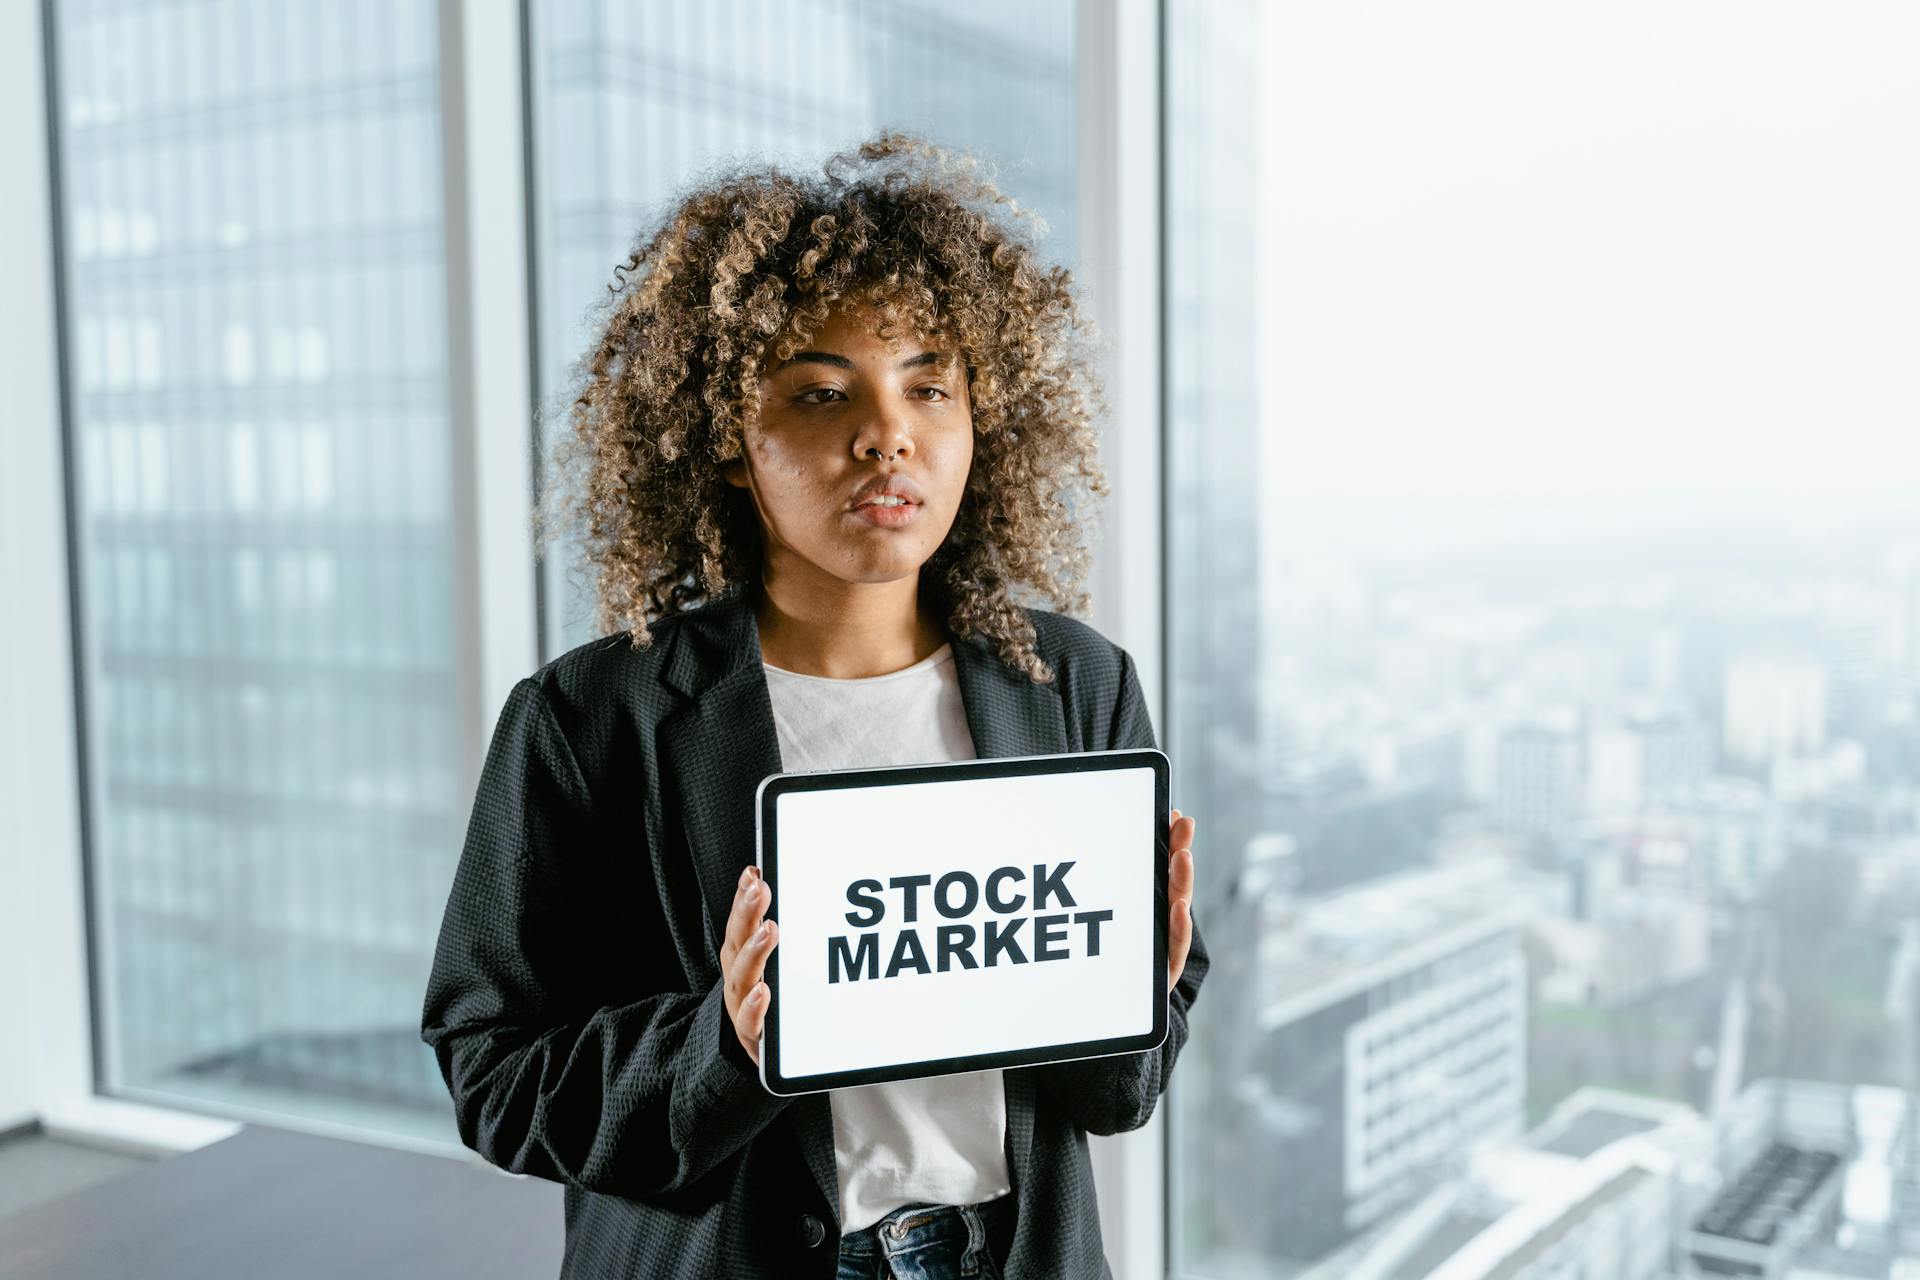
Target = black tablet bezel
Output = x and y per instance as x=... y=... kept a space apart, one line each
x=776 y=785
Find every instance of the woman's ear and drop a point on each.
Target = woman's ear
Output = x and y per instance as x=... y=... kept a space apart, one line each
x=734 y=471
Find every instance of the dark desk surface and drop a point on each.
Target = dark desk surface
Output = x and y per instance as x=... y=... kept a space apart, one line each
x=280 y=1205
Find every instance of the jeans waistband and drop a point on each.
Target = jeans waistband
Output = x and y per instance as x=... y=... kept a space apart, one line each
x=913 y=1227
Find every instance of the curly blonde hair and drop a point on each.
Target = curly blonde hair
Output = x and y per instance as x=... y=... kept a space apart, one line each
x=751 y=261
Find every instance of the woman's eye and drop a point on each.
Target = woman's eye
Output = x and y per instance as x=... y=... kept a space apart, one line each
x=808 y=397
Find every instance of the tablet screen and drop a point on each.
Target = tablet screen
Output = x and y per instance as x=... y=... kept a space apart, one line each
x=951 y=917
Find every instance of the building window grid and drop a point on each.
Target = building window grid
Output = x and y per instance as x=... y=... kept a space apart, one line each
x=247 y=255
x=1400 y=1127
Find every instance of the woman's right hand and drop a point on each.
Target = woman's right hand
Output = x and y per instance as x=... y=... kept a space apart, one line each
x=743 y=957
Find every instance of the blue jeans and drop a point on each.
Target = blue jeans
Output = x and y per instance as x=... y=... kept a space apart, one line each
x=931 y=1242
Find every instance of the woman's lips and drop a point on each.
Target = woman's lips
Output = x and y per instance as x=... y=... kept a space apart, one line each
x=887 y=517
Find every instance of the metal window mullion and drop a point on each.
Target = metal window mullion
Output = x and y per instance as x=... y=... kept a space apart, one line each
x=1117 y=179
x=489 y=363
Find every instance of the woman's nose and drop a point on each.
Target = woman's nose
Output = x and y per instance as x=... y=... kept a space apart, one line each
x=885 y=437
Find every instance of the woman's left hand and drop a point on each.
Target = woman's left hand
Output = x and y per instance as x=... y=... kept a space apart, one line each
x=1179 y=894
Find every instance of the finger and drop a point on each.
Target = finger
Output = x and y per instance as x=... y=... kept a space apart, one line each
x=1179 y=938
x=751 y=962
x=749 y=904
x=730 y=939
x=1182 y=834
x=753 y=1018
x=1180 y=874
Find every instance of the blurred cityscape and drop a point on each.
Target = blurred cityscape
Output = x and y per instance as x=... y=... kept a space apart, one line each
x=1579 y=930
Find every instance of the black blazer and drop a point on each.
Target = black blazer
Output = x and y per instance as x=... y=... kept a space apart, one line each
x=575 y=1005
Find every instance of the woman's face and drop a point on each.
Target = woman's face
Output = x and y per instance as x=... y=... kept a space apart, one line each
x=846 y=414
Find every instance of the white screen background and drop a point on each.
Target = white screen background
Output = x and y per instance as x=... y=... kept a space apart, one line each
x=1101 y=819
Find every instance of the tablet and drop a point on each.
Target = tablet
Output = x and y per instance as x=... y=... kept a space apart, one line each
x=964 y=915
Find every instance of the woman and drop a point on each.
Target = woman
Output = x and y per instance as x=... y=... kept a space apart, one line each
x=828 y=427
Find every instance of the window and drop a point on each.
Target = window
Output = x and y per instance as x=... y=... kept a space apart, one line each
x=1544 y=606
x=277 y=716
x=253 y=283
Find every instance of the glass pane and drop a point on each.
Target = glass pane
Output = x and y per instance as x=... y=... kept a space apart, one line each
x=1557 y=763
x=632 y=101
x=254 y=282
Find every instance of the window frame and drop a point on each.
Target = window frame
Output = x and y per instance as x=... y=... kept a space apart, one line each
x=1119 y=65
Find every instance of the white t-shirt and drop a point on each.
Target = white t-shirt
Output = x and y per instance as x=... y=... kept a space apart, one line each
x=941 y=1140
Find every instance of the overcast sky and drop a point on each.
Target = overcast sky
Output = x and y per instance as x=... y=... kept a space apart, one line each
x=1641 y=263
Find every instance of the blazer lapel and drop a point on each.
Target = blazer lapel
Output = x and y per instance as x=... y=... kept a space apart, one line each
x=717 y=746
x=1007 y=714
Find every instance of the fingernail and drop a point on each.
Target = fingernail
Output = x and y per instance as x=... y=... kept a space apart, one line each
x=766 y=927
x=745 y=877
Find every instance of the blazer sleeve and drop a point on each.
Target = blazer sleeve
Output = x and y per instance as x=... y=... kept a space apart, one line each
x=1117 y=1093
x=630 y=1098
